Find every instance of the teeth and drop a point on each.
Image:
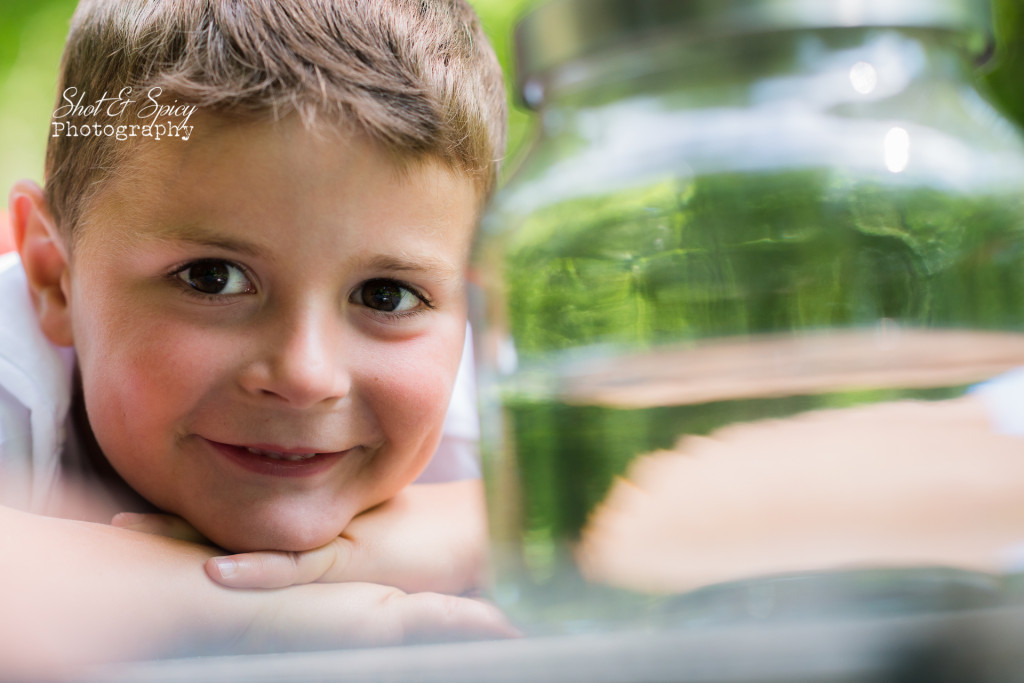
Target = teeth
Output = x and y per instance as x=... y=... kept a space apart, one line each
x=281 y=456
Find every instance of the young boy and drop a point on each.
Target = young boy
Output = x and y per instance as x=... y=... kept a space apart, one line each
x=240 y=302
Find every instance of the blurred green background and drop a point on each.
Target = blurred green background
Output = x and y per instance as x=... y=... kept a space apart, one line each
x=32 y=33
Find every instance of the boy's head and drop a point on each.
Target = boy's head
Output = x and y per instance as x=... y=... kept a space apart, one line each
x=268 y=316
x=416 y=77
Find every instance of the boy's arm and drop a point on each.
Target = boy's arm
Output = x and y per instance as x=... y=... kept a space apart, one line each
x=431 y=537
x=78 y=592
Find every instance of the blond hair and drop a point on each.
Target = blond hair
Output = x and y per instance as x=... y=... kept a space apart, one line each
x=418 y=77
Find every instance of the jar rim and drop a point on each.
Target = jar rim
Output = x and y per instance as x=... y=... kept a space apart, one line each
x=560 y=31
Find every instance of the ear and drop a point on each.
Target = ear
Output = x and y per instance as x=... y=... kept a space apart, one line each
x=45 y=259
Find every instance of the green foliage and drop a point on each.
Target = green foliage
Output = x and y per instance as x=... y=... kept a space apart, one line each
x=31 y=38
x=1002 y=75
x=499 y=18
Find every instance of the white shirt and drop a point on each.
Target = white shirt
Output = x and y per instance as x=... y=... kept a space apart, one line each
x=35 y=395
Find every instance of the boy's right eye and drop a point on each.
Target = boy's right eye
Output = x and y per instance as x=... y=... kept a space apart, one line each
x=215 y=277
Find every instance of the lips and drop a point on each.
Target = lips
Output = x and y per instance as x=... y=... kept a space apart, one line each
x=277 y=461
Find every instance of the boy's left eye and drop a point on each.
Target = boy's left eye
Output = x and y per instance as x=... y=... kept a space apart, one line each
x=215 y=277
x=388 y=296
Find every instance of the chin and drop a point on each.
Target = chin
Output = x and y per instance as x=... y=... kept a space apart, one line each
x=248 y=537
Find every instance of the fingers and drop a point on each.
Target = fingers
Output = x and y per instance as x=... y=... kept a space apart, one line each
x=170 y=526
x=429 y=538
x=275 y=569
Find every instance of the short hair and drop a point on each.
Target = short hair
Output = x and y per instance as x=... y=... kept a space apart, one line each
x=418 y=77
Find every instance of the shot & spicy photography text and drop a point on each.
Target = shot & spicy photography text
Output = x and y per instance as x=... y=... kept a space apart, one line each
x=156 y=119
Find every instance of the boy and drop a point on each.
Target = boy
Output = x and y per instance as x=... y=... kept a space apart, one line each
x=253 y=234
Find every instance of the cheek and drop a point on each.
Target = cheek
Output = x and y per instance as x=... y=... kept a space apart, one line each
x=140 y=373
x=412 y=388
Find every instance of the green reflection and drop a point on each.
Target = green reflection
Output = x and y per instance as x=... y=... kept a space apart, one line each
x=733 y=254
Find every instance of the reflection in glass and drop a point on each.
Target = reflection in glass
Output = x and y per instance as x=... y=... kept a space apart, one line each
x=897 y=150
x=863 y=77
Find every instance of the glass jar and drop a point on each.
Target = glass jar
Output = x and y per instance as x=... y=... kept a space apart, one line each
x=747 y=232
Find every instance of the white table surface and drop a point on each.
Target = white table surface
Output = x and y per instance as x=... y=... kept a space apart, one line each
x=981 y=645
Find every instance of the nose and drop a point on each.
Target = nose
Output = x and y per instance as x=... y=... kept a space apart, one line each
x=301 y=360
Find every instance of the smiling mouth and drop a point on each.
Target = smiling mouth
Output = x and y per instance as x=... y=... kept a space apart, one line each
x=265 y=459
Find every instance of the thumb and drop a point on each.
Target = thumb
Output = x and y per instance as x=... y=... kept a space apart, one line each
x=277 y=569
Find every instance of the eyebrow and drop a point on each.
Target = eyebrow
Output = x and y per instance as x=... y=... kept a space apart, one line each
x=418 y=263
x=194 y=234
x=401 y=263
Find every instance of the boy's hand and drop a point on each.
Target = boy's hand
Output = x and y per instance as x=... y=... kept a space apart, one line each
x=319 y=616
x=431 y=537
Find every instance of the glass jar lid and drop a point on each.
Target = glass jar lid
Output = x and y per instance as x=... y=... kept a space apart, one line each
x=561 y=31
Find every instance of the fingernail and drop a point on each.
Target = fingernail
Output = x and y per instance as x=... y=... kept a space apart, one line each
x=124 y=519
x=226 y=567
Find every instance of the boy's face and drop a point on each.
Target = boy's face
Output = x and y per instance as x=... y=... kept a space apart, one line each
x=255 y=295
